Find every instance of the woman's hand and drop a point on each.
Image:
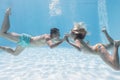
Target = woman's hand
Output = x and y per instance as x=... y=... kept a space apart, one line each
x=66 y=38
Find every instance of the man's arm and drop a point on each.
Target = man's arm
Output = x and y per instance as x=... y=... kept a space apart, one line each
x=15 y=52
x=52 y=44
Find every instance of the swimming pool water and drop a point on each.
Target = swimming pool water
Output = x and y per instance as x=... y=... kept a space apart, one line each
x=54 y=64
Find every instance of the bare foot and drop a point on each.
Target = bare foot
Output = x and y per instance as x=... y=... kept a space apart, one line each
x=104 y=29
x=8 y=11
x=117 y=43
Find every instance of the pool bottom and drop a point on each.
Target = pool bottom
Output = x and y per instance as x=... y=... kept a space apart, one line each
x=54 y=64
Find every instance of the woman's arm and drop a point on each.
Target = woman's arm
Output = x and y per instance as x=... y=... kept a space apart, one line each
x=77 y=45
x=86 y=46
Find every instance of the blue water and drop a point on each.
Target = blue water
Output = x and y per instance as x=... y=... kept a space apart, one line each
x=36 y=17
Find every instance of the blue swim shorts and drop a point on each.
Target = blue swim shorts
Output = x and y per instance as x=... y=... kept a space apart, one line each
x=24 y=40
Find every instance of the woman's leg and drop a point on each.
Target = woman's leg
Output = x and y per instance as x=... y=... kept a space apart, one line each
x=111 y=41
x=116 y=54
x=112 y=60
x=5 y=27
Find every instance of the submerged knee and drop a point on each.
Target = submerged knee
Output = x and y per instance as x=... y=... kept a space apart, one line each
x=2 y=33
x=16 y=53
x=117 y=68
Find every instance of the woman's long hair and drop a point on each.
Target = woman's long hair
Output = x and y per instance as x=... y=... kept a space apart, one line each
x=80 y=36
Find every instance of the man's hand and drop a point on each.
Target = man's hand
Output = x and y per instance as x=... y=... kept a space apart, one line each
x=66 y=38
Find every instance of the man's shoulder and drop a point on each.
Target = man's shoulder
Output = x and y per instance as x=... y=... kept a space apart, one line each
x=47 y=36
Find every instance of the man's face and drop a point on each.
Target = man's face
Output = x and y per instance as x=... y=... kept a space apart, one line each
x=56 y=35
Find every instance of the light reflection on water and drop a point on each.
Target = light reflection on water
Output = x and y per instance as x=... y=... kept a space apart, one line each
x=54 y=64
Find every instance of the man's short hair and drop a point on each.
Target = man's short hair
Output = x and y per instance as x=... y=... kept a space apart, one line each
x=54 y=30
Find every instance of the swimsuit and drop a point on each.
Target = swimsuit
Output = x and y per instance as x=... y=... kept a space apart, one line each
x=24 y=40
x=98 y=47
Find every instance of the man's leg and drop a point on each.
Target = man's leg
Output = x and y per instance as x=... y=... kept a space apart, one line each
x=15 y=52
x=6 y=22
x=5 y=27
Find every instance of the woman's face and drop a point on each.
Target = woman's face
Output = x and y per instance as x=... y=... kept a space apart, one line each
x=81 y=32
